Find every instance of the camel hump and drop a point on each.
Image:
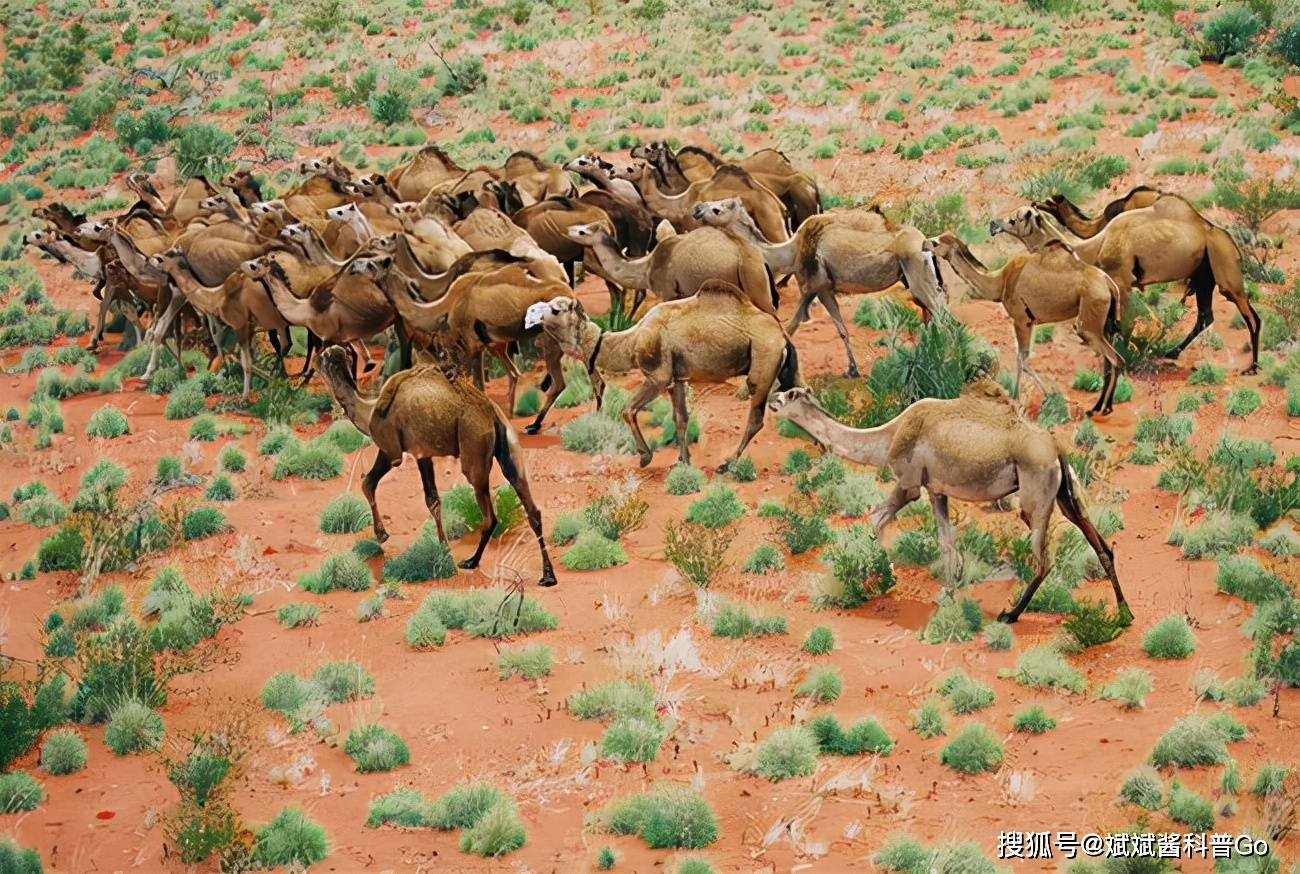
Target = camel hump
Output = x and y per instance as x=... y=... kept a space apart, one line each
x=388 y=391
x=733 y=172
x=1058 y=246
x=721 y=288
x=702 y=152
x=987 y=389
x=528 y=157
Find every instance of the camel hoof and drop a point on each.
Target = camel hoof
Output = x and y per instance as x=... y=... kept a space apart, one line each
x=1125 y=614
x=547 y=581
x=1251 y=371
x=646 y=458
x=381 y=536
x=532 y=429
x=468 y=564
x=1006 y=617
x=852 y=372
x=724 y=467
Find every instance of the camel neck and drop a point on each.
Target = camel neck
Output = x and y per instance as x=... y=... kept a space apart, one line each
x=779 y=256
x=667 y=206
x=613 y=351
x=862 y=445
x=627 y=272
x=986 y=285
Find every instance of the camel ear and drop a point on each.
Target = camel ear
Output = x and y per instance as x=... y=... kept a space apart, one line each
x=534 y=314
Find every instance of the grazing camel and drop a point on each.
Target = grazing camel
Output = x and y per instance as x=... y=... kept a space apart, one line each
x=422 y=413
x=1083 y=227
x=709 y=338
x=1168 y=241
x=1051 y=285
x=838 y=252
x=681 y=264
x=977 y=447
x=727 y=181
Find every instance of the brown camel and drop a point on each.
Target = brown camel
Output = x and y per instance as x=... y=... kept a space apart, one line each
x=536 y=178
x=681 y=264
x=727 y=181
x=549 y=221
x=430 y=167
x=839 y=252
x=1063 y=210
x=422 y=413
x=245 y=186
x=1166 y=242
x=1049 y=286
x=977 y=447
x=709 y=338
x=184 y=205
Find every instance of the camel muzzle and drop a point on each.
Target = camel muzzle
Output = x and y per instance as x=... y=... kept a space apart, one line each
x=996 y=227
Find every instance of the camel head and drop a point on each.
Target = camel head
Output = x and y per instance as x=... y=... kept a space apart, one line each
x=266 y=207
x=387 y=244
x=235 y=178
x=1054 y=204
x=163 y=262
x=945 y=245
x=97 y=231
x=589 y=163
x=346 y=212
x=589 y=234
x=407 y=213
x=563 y=320
x=256 y=268
x=334 y=366
x=328 y=167
x=296 y=233
x=631 y=171
x=719 y=213
x=651 y=151
x=141 y=184
x=374 y=269
x=792 y=402
x=1022 y=223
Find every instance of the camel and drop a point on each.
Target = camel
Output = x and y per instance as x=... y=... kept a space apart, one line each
x=1059 y=207
x=238 y=302
x=600 y=173
x=483 y=310
x=681 y=264
x=727 y=181
x=549 y=221
x=183 y=206
x=977 y=447
x=709 y=338
x=836 y=252
x=429 y=168
x=1051 y=285
x=366 y=219
x=245 y=186
x=797 y=191
x=535 y=178
x=421 y=413
x=1168 y=241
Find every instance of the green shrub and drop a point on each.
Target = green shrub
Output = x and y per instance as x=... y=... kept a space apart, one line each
x=1190 y=809
x=63 y=751
x=344 y=436
x=61 y=551
x=819 y=641
x=375 y=748
x=785 y=753
x=19 y=791
x=1032 y=720
x=1218 y=535
x=464 y=805
x=345 y=514
x=315 y=460
x=232 y=459
x=860 y=567
x=736 y=622
x=185 y=402
x=107 y=422
x=972 y=751
x=1243 y=577
x=133 y=728
x=717 y=508
x=1190 y=741
x=917 y=547
x=291 y=839
x=427 y=558
x=202 y=149
x=964 y=694
x=743 y=470
x=605 y=859
x=668 y=816
x=927 y=720
x=1270 y=779
x=1170 y=638
x=765 y=559
x=1090 y=624
x=342 y=570
x=220 y=489
x=277 y=440
x=204 y=428
x=168 y=471
x=529 y=662
x=487 y=612
x=614 y=699
x=18 y=860
x=425 y=630
x=43 y=511
x=344 y=680
x=633 y=739
x=592 y=551
x=1231 y=32
x=499 y=831
x=999 y=637
x=403 y=806
x=1130 y=687
x=822 y=685
x=1241 y=402
x=953 y=620
x=298 y=614
x=1042 y=667
x=684 y=480
x=202 y=522
x=1143 y=787
x=866 y=736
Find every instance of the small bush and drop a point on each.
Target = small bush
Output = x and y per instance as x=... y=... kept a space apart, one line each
x=529 y=662
x=1091 y=624
x=1190 y=741
x=1231 y=32
x=592 y=551
x=18 y=860
x=927 y=720
x=1143 y=787
x=107 y=422
x=736 y=622
x=964 y=694
x=291 y=839
x=765 y=559
x=133 y=728
x=427 y=558
x=668 y=816
x=819 y=641
x=953 y=621
x=487 y=612
x=822 y=685
x=425 y=630
x=1270 y=779
x=298 y=614
x=63 y=751
x=743 y=470
x=1170 y=638
x=866 y=736
x=859 y=566
x=684 y=480
x=1033 y=720
x=463 y=806
x=615 y=699
x=1218 y=535
x=232 y=459
x=204 y=428
x=633 y=739
x=1243 y=577
x=61 y=551
x=315 y=460
x=375 y=748
x=1130 y=688
x=999 y=637
x=403 y=806
x=1242 y=402
x=1044 y=668
x=499 y=831
x=19 y=791
x=344 y=680
x=973 y=751
x=917 y=547
x=786 y=753
x=202 y=522
x=345 y=514
x=717 y=508
x=342 y=570
x=1190 y=809
x=220 y=489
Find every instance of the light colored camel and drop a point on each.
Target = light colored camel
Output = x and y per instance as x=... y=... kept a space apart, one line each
x=419 y=412
x=535 y=178
x=727 y=181
x=1166 y=242
x=681 y=264
x=1049 y=286
x=839 y=252
x=709 y=338
x=1063 y=210
x=977 y=447
x=430 y=167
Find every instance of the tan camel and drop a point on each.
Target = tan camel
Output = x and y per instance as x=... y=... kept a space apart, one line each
x=1049 y=286
x=549 y=221
x=1166 y=242
x=727 y=181
x=430 y=167
x=184 y=205
x=709 y=338
x=1083 y=227
x=535 y=178
x=681 y=264
x=238 y=302
x=599 y=172
x=245 y=186
x=419 y=412
x=977 y=447
x=839 y=252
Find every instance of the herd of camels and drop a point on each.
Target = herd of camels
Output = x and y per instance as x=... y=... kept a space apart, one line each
x=465 y=263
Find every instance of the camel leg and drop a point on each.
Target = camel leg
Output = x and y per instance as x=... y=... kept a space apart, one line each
x=827 y=298
x=246 y=362
x=105 y=302
x=476 y=369
x=900 y=497
x=758 y=393
x=638 y=298
x=1037 y=495
x=432 y=499
x=645 y=393
x=1111 y=366
x=312 y=342
x=515 y=476
x=1074 y=512
x=682 y=420
x=484 y=498
x=158 y=331
x=800 y=313
x=383 y=464
x=555 y=370
x=952 y=559
x=1201 y=282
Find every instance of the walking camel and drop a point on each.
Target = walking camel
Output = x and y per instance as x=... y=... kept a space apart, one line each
x=421 y=413
x=976 y=447
x=1051 y=285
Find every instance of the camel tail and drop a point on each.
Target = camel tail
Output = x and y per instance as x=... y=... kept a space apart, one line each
x=771 y=285
x=788 y=376
x=1071 y=504
x=503 y=451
